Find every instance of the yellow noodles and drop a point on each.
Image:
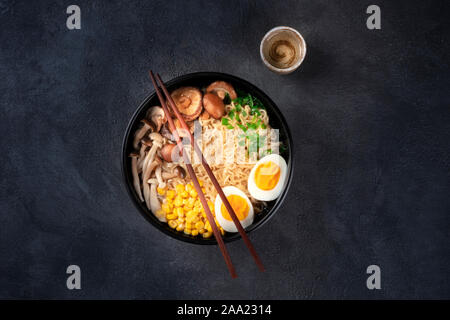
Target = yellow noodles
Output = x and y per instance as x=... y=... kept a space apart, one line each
x=228 y=174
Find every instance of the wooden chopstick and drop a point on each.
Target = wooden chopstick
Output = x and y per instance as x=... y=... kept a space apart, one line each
x=216 y=184
x=193 y=176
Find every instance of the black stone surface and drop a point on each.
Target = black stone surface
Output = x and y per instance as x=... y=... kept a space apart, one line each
x=369 y=111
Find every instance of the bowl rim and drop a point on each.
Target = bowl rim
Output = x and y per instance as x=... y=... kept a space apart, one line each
x=124 y=157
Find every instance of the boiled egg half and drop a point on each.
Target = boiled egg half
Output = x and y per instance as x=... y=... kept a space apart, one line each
x=241 y=205
x=267 y=178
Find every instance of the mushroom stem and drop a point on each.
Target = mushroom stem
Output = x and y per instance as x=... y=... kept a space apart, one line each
x=145 y=143
x=158 y=173
x=147 y=173
x=169 y=175
x=134 y=170
x=157 y=142
x=155 y=206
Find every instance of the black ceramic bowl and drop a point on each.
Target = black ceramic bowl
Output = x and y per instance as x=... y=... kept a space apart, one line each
x=201 y=80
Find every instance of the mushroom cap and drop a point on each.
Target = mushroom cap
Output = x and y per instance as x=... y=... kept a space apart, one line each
x=156 y=137
x=220 y=88
x=167 y=151
x=148 y=124
x=188 y=101
x=214 y=105
x=165 y=132
x=147 y=142
x=179 y=171
x=142 y=131
x=157 y=116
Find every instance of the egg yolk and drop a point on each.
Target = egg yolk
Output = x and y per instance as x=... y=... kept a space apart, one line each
x=239 y=205
x=267 y=175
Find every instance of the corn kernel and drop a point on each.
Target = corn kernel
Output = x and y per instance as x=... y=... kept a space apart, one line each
x=166 y=207
x=161 y=191
x=207 y=234
x=201 y=231
x=191 y=202
x=187 y=231
x=193 y=193
x=199 y=225
x=160 y=213
x=189 y=188
x=194 y=232
x=185 y=209
x=184 y=194
x=195 y=219
x=180 y=220
x=173 y=224
x=180 y=227
x=178 y=202
x=170 y=194
x=171 y=216
x=179 y=188
x=200 y=182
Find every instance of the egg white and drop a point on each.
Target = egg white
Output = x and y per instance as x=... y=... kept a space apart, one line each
x=268 y=195
x=228 y=225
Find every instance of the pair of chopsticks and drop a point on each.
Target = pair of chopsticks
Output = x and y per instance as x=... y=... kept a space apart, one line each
x=208 y=170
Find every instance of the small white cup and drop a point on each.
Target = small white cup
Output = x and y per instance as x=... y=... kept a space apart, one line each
x=282 y=49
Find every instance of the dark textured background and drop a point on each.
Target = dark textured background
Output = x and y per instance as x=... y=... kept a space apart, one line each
x=369 y=112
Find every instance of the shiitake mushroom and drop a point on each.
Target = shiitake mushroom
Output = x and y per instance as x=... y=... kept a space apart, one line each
x=221 y=88
x=214 y=105
x=188 y=101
